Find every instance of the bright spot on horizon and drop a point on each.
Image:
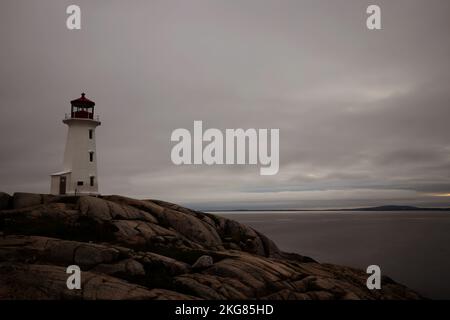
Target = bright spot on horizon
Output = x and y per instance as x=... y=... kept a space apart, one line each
x=441 y=194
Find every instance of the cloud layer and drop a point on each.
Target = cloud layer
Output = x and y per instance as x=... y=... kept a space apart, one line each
x=363 y=115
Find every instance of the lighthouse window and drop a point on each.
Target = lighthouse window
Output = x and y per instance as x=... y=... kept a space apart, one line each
x=92 y=181
x=91 y=156
x=91 y=133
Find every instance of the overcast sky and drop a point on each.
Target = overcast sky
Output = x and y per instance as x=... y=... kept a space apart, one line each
x=363 y=115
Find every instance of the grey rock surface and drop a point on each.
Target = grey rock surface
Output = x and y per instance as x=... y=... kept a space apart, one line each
x=203 y=262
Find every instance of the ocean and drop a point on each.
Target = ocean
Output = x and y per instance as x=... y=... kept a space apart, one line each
x=411 y=247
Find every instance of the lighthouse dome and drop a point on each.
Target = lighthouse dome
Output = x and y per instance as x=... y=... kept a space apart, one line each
x=82 y=102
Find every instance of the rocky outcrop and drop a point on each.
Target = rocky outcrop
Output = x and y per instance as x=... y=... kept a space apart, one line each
x=5 y=201
x=148 y=249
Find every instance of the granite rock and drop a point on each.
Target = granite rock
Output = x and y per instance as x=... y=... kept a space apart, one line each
x=151 y=249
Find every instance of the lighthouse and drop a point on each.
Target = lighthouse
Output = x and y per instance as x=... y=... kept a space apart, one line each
x=79 y=174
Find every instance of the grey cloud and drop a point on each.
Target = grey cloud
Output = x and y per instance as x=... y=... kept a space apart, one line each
x=357 y=110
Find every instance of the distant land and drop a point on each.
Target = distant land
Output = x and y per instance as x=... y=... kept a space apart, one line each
x=379 y=208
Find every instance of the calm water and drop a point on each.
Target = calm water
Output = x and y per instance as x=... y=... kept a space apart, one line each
x=411 y=247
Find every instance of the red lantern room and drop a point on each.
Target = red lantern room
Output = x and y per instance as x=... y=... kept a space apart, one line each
x=82 y=108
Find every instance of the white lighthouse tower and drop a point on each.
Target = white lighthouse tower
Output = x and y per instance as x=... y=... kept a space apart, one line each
x=79 y=175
